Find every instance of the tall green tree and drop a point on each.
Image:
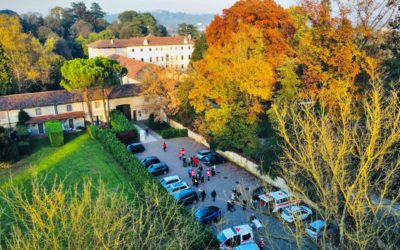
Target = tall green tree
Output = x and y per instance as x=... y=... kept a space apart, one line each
x=113 y=74
x=185 y=29
x=81 y=74
x=200 y=47
x=4 y=73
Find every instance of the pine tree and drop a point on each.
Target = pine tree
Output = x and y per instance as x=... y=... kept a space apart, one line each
x=4 y=73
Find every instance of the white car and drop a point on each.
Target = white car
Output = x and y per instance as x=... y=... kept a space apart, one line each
x=292 y=213
x=165 y=182
x=177 y=186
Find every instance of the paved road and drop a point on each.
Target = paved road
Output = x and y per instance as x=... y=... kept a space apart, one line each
x=228 y=177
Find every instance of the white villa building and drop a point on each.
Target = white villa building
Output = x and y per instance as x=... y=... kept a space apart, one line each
x=174 y=51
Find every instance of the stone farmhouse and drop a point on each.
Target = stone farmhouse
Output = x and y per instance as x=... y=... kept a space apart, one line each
x=70 y=108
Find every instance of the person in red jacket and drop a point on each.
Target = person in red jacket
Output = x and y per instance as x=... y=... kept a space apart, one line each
x=164 y=146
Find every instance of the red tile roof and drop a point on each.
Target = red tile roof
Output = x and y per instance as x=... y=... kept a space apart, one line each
x=59 y=97
x=139 y=41
x=134 y=67
x=63 y=116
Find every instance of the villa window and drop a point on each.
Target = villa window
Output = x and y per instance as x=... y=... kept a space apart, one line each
x=141 y=59
x=151 y=59
x=181 y=57
x=69 y=107
x=38 y=111
x=149 y=49
x=133 y=50
x=97 y=105
x=141 y=50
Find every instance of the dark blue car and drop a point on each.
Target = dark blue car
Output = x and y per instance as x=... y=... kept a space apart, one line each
x=158 y=169
x=208 y=214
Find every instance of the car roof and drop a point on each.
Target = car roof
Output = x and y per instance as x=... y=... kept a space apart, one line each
x=150 y=158
x=204 y=151
x=169 y=178
x=208 y=208
x=318 y=224
x=160 y=164
x=292 y=208
x=178 y=184
x=247 y=246
x=183 y=192
x=278 y=195
x=135 y=144
x=230 y=232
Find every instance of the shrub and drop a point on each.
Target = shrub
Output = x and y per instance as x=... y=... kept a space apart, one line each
x=24 y=147
x=23 y=132
x=23 y=117
x=152 y=193
x=156 y=125
x=173 y=132
x=92 y=130
x=8 y=148
x=120 y=124
x=54 y=132
x=5 y=165
x=127 y=137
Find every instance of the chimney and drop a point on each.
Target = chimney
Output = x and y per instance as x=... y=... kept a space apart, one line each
x=185 y=40
x=146 y=41
x=189 y=37
x=112 y=41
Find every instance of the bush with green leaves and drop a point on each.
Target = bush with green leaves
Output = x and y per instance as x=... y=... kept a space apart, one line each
x=151 y=191
x=8 y=148
x=92 y=130
x=54 y=132
x=24 y=147
x=156 y=125
x=173 y=132
x=22 y=131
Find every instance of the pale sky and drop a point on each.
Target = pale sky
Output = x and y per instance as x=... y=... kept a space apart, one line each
x=117 y=6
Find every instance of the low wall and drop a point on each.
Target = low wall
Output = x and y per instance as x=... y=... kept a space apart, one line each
x=235 y=158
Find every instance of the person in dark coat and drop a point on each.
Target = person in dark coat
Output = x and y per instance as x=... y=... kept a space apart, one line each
x=203 y=195
x=214 y=194
x=190 y=171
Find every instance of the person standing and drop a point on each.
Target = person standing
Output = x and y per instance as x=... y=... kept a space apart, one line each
x=203 y=195
x=214 y=194
x=228 y=205
x=214 y=170
x=183 y=152
x=208 y=173
x=193 y=173
x=195 y=161
x=184 y=161
x=180 y=154
x=190 y=171
x=196 y=181
x=164 y=147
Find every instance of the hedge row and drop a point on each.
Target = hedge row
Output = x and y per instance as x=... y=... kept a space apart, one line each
x=173 y=132
x=151 y=190
x=54 y=132
x=119 y=123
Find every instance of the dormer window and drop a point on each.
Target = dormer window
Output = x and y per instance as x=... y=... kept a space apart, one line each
x=146 y=41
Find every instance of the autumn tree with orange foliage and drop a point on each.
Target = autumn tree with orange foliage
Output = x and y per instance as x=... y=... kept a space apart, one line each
x=265 y=15
x=230 y=85
x=330 y=60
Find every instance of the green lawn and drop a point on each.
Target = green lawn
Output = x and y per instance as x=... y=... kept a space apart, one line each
x=80 y=159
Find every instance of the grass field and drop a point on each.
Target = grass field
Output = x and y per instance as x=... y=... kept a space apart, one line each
x=78 y=160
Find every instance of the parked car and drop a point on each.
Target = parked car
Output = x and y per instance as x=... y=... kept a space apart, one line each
x=208 y=214
x=292 y=213
x=177 y=186
x=260 y=190
x=136 y=147
x=158 y=169
x=235 y=236
x=315 y=229
x=150 y=160
x=247 y=246
x=213 y=158
x=165 y=182
x=202 y=154
x=186 y=196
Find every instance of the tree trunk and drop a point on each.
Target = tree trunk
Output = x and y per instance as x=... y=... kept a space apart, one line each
x=87 y=99
x=106 y=112
x=341 y=226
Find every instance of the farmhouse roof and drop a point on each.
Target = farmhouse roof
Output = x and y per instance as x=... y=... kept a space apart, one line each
x=58 y=97
x=134 y=67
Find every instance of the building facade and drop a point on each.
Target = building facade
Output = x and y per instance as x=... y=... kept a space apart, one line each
x=173 y=51
x=70 y=108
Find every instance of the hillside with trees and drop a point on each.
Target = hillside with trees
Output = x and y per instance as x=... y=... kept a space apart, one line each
x=34 y=47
